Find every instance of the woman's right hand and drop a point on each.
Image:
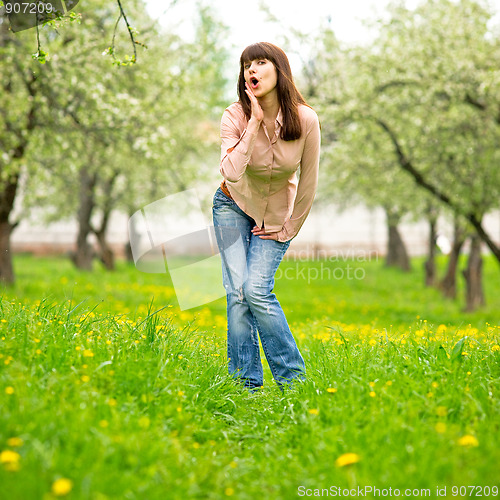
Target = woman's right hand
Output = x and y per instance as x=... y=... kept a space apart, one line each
x=257 y=112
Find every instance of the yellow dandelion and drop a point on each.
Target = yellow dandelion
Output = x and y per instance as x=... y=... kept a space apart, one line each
x=103 y=424
x=347 y=459
x=179 y=409
x=62 y=486
x=85 y=378
x=371 y=384
x=112 y=402
x=495 y=348
x=180 y=393
x=372 y=342
x=14 y=442
x=332 y=390
x=430 y=394
x=229 y=492
x=373 y=394
x=440 y=427
x=468 y=440
x=389 y=382
x=9 y=457
x=9 y=390
x=233 y=465
x=435 y=385
x=314 y=411
x=87 y=353
x=196 y=445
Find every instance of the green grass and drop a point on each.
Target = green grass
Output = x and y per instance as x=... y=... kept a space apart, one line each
x=103 y=381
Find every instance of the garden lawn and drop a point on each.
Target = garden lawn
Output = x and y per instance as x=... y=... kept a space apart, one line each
x=108 y=390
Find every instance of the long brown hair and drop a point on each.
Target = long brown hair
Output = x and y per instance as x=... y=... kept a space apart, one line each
x=288 y=95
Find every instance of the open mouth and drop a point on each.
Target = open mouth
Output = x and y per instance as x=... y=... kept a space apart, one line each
x=254 y=82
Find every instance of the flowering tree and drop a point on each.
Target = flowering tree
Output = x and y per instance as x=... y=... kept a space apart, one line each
x=92 y=137
x=420 y=105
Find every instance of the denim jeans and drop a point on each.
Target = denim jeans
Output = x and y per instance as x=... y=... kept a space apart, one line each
x=249 y=264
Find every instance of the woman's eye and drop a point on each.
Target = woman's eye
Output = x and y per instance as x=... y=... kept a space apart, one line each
x=247 y=66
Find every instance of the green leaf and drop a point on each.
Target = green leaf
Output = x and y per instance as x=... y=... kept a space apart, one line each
x=422 y=352
x=456 y=354
x=442 y=355
x=41 y=56
x=74 y=17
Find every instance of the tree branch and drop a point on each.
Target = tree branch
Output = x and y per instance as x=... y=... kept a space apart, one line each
x=397 y=83
x=406 y=164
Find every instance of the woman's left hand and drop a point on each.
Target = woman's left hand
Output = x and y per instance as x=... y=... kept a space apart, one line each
x=261 y=233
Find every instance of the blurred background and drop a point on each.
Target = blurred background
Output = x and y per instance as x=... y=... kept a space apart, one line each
x=408 y=94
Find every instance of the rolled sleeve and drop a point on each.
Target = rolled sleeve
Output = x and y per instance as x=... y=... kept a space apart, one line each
x=236 y=148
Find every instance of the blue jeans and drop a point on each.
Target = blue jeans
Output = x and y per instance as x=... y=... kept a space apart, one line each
x=249 y=264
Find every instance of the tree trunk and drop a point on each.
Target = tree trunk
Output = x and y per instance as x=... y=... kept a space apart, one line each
x=448 y=284
x=397 y=256
x=84 y=251
x=133 y=235
x=430 y=263
x=473 y=274
x=8 y=192
x=128 y=252
x=107 y=255
x=6 y=267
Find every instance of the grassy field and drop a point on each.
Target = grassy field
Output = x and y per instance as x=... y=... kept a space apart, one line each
x=108 y=390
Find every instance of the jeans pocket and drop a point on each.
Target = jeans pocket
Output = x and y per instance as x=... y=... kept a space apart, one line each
x=221 y=199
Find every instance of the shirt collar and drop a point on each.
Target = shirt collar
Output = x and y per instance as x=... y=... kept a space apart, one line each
x=279 y=117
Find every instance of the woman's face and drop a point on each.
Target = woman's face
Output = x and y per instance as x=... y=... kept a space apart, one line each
x=261 y=76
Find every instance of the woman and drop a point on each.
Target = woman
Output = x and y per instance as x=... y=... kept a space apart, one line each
x=260 y=206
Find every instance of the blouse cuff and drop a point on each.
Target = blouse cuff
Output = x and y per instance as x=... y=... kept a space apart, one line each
x=283 y=235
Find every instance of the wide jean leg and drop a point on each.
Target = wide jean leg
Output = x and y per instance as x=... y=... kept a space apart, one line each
x=249 y=264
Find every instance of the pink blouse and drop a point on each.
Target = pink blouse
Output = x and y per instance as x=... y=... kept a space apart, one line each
x=261 y=172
